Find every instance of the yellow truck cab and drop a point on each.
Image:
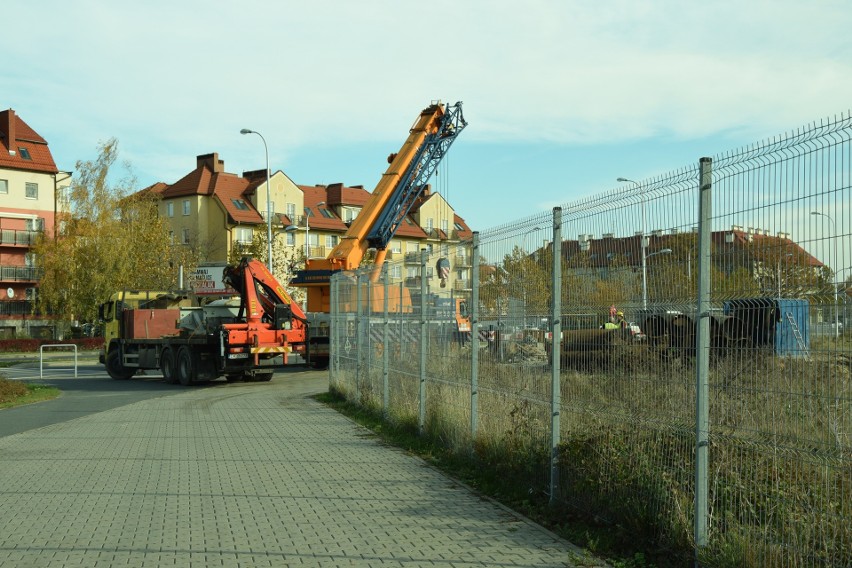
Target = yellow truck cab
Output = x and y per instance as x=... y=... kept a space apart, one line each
x=110 y=311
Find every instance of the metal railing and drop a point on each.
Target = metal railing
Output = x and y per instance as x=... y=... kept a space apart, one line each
x=18 y=237
x=20 y=273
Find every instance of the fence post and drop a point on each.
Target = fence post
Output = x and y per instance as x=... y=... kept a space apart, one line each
x=385 y=341
x=474 y=340
x=334 y=345
x=702 y=351
x=423 y=336
x=359 y=335
x=556 y=351
x=367 y=316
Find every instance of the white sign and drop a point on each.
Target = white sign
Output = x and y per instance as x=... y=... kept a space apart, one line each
x=207 y=281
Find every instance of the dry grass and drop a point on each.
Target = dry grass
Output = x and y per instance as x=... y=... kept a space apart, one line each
x=780 y=430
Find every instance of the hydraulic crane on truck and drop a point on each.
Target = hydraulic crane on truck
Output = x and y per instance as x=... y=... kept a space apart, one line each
x=429 y=139
x=190 y=344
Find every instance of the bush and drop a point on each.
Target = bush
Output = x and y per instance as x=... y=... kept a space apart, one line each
x=32 y=345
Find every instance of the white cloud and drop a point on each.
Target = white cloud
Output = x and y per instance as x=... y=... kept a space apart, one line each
x=172 y=80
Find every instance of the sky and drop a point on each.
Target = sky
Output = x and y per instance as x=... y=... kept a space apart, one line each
x=561 y=97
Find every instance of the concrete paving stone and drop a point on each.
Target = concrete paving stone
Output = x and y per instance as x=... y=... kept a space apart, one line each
x=243 y=476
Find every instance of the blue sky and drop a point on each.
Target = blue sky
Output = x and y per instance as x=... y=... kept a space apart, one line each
x=561 y=97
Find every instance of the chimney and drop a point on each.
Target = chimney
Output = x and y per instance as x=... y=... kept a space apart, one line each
x=7 y=126
x=211 y=162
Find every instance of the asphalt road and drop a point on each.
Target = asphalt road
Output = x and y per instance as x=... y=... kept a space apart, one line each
x=94 y=391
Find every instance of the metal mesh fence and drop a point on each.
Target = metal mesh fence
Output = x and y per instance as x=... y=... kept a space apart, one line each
x=690 y=381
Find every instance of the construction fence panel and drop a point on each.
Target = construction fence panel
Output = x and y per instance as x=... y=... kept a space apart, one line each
x=722 y=433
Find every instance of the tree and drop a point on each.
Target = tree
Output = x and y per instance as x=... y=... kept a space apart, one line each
x=108 y=238
x=286 y=259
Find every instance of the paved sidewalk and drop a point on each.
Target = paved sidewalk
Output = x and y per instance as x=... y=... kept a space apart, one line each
x=244 y=475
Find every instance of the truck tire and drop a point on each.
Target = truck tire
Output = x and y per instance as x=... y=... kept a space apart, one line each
x=263 y=377
x=167 y=366
x=185 y=366
x=115 y=368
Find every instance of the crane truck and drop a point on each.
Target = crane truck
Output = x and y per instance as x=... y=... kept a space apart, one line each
x=236 y=338
x=432 y=134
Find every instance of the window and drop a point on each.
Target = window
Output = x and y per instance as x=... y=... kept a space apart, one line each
x=243 y=235
x=445 y=226
x=35 y=224
x=29 y=259
x=4 y=186
x=25 y=154
x=458 y=227
x=430 y=224
x=327 y=214
x=396 y=271
x=291 y=210
x=170 y=209
x=186 y=236
x=291 y=238
x=238 y=203
x=330 y=241
x=308 y=212
x=412 y=246
x=186 y=206
x=396 y=246
x=171 y=237
x=32 y=190
x=411 y=272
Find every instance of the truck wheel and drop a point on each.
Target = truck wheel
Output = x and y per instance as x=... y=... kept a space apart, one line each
x=185 y=366
x=115 y=368
x=263 y=377
x=167 y=366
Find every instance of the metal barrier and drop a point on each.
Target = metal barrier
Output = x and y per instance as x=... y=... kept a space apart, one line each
x=644 y=356
x=41 y=357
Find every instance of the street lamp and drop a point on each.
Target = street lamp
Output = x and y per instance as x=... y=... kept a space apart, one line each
x=292 y=228
x=268 y=199
x=834 y=236
x=532 y=231
x=644 y=244
x=644 y=281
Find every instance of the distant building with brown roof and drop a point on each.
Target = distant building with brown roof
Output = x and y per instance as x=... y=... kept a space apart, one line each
x=29 y=185
x=216 y=211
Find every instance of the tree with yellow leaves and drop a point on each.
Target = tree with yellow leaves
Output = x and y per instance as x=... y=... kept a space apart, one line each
x=109 y=237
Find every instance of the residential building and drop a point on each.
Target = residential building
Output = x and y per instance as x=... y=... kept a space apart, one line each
x=29 y=186
x=215 y=211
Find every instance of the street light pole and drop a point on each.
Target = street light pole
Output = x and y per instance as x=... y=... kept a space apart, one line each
x=644 y=244
x=834 y=236
x=533 y=231
x=268 y=199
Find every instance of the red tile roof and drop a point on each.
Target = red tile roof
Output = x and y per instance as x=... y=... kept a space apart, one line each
x=210 y=179
x=27 y=138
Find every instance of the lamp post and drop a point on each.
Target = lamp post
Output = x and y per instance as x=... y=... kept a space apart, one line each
x=292 y=228
x=644 y=244
x=644 y=282
x=533 y=231
x=268 y=199
x=834 y=236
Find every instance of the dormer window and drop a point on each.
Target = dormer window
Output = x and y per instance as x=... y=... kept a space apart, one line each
x=239 y=204
x=25 y=154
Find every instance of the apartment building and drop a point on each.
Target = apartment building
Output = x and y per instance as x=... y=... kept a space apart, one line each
x=217 y=211
x=29 y=186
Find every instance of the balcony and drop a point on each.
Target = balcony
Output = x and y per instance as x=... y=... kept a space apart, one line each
x=18 y=308
x=462 y=261
x=412 y=258
x=18 y=237
x=19 y=274
x=462 y=286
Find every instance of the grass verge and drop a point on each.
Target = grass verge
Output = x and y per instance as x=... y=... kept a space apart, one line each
x=15 y=393
x=604 y=541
